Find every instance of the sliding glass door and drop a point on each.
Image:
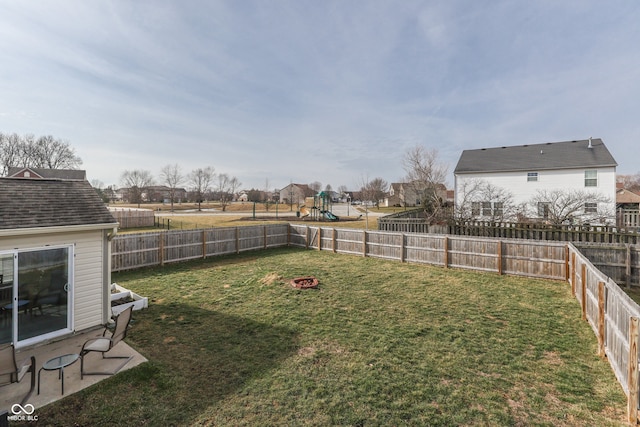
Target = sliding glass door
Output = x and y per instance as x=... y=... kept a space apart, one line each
x=40 y=294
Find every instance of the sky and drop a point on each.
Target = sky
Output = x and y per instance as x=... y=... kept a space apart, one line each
x=336 y=92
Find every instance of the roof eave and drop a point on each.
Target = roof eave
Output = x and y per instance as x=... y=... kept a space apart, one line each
x=57 y=229
x=534 y=169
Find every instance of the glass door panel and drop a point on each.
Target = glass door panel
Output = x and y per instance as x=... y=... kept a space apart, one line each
x=42 y=292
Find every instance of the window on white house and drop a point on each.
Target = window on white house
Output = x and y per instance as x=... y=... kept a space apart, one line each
x=590 y=208
x=591 y=178
x=475 y=208
x=486 y=209
x=532 y=176
x=498 y=209
x=543 y=209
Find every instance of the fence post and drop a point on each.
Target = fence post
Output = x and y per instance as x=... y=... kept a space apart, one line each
x=333 y=238
x=265 y=236
x=402 y=238
x=566 y=263
x=364 y=243
x=583 y=295
x=319 y=238
x=573 y=274
x=161 y=248
x=289 y=234
x=632 y=378
x=500 y=257
x=204 y=243
x=237 y=240
x=306 y=238
x=445 y=247
x=601 y=314
x=627 y=271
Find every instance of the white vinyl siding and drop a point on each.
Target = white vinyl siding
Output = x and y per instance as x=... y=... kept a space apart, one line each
x=562 y=179
x=88 y=287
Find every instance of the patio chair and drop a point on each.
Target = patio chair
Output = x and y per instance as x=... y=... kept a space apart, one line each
x=105 y=343
x=12 y=372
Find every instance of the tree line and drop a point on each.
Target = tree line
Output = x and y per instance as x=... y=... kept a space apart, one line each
x=43 y=152
x=201 y=181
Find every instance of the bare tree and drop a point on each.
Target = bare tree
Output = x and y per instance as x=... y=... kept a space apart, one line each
x=10 y=150
x=629 y=182
x=479 y=198
x=200 y=180
x=51 y=153
x=227 y=187
x=427 y=176
x=172 y=177
x=137 y=183
x=567 y=206
x=316 y=186
x=373 y=191
x=343 y=190
x=44 y=152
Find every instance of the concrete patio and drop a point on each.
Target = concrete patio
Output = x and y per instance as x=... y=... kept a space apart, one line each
x=50 y=384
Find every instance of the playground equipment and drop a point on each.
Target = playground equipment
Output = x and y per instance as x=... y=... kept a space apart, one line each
x=317 y=208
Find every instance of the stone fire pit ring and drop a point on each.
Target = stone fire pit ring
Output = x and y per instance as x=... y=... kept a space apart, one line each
x=306 y=282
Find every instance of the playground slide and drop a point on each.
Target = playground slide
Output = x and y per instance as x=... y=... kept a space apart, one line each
x=330 y=216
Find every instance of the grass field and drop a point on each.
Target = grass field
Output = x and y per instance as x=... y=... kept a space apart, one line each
x=230 y=342
x=240 y=214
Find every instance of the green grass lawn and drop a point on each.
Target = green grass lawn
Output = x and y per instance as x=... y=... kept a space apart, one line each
x=380 y=343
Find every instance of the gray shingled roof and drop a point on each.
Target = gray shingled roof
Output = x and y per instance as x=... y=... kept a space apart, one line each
x=535 y=157
x=31 y=203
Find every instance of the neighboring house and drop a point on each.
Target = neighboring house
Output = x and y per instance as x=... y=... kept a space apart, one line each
x=628 y=209
x=55 y=257
x=242 y=196
x=523 y=170
x=162 y=194
x=295 y=194
x=401 y=194
x=408 y=194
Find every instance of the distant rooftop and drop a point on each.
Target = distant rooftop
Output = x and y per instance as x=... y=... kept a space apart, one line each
x=586 y=153
x=39 y=173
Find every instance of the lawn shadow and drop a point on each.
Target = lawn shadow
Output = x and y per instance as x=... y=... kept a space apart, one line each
x=196 y=358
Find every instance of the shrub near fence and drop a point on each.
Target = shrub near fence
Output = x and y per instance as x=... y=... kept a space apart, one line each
x=611 y=313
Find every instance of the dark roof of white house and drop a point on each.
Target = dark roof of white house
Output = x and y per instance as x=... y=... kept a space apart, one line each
x=586 y=153
x=33 y=203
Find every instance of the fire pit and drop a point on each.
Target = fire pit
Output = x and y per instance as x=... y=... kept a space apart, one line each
x=308 y=282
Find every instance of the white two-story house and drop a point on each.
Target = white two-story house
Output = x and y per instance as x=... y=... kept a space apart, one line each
x=538 y=181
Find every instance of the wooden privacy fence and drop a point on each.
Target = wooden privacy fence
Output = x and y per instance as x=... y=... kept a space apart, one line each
x=617 y=261
x=130 y=251
x=518 y=257
x=613 y=316
x=133 y=218
x=611 y=313
x=412 y=221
